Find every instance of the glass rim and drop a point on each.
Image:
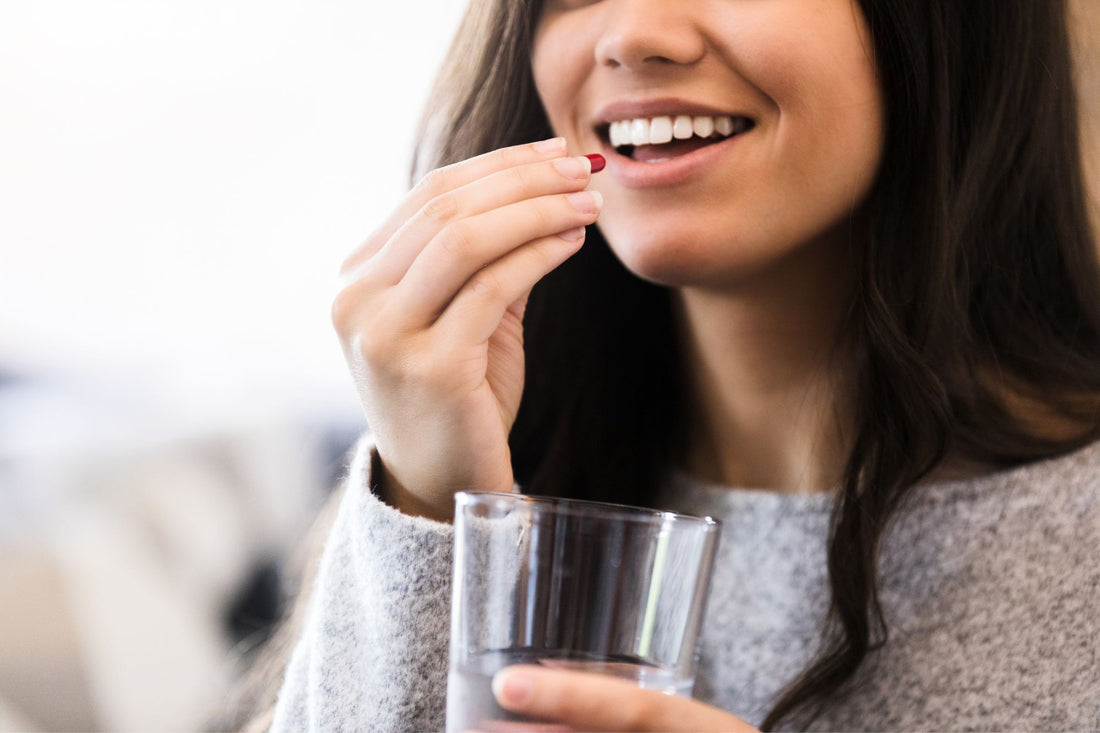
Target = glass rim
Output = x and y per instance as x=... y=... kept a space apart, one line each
x=585 y=507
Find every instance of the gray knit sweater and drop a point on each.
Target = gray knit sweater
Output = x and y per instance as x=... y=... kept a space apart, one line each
x=991 y=590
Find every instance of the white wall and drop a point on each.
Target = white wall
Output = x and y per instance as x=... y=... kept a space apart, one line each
x=180 y=179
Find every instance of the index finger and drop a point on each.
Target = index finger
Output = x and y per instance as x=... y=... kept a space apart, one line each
x=448 y=178
x=599 y=702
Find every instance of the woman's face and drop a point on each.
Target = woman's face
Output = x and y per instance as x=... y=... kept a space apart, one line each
x=709 y=211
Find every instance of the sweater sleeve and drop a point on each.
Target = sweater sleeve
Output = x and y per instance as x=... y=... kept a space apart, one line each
x=373 y=651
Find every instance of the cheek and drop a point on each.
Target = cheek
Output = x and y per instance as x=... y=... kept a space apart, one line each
x=849 y=145
x=558 y=66
x=830 y=126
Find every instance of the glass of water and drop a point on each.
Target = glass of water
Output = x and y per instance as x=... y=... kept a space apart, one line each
x=574 y=585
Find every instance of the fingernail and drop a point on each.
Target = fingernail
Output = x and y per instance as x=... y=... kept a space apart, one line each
x=553 y=145
x=598 y=162
x=573 y=167
x=586 y=202
x=573 y=235
x=513 y=688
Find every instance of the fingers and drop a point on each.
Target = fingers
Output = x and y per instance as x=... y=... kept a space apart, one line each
x=449 y=178
x=602 y=703
x=456 y=212
x=470 y=246
x=477 y=310
x=493 y=726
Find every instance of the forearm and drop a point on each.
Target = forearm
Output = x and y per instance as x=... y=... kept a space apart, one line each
x=373 y=651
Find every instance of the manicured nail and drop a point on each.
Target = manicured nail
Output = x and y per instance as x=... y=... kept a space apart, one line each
x=573 y=235
x=573 y=167
x=586 y=202
x=553 y=145
x=513 y=688
x=598 y=162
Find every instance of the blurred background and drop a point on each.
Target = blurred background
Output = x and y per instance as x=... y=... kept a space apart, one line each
x=179 y=182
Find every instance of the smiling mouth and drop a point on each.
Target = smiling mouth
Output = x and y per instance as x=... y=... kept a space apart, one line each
x=656 y=139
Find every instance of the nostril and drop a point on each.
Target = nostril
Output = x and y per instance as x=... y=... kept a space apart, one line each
x=639 y=40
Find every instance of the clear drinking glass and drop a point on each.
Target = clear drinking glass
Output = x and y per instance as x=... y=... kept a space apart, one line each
x=572 y=584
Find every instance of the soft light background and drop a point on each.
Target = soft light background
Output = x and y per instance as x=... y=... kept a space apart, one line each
x=179 y=181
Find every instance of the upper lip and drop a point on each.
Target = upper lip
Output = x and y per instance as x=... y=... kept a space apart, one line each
x=628 y=109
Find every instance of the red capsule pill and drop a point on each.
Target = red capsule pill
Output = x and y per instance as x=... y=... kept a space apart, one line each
x=598 y=162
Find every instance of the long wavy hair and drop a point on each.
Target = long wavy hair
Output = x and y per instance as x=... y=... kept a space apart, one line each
x=974 y=327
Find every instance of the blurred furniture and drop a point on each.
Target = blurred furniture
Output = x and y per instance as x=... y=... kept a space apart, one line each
x=139 y=556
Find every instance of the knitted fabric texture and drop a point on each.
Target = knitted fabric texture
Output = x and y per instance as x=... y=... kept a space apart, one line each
x=991 y=591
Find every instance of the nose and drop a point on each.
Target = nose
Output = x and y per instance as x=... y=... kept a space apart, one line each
x=644 y=34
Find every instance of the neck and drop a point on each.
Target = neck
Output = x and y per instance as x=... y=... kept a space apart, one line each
x=770 y=407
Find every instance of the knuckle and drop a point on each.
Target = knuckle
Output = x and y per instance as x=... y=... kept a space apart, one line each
x=435 y=182
x=456 y=240
x=521 y=179
x=487 y=286
x=508 y=157
x=545 y=217
x=360 y=326
x=355 y=297
x=377 y=350
x=345 y=306
x=440 y=209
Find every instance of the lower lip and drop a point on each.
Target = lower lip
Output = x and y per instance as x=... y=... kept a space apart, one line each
x=671 y=172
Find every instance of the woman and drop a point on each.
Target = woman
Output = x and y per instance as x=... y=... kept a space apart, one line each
x=851 y=306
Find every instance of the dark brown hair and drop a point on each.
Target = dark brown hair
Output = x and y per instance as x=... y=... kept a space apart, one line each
x=974 y=327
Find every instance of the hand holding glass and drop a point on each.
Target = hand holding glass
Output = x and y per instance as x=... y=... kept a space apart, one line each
x=573 y=585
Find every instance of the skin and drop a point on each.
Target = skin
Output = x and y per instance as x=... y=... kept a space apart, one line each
x=430 y=307
x=575 y=701
x=430 y=314
x=757 y=248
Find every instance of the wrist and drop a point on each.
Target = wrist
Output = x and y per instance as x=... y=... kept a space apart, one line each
x=393 y=492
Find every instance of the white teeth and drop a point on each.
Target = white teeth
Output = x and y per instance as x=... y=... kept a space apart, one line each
x=683 y=128
x=661 y=130
x=704 y=126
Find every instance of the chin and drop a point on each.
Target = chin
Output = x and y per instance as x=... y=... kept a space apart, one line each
x=680 y=260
